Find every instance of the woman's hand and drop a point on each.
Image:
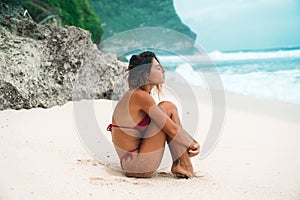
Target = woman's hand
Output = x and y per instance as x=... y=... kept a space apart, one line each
x=194 y=149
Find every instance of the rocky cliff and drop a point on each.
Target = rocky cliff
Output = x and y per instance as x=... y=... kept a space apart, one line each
x=47 y=65
x=118 y=16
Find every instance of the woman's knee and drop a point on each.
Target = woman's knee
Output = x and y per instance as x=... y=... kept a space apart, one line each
x=167 y=106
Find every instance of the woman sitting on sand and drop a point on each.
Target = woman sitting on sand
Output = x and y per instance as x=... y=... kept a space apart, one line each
x=140 y=128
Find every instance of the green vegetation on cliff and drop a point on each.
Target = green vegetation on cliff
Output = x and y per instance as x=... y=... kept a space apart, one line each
x=71 y=12
x=119 y=15
x=116 y=16
x=79 y=13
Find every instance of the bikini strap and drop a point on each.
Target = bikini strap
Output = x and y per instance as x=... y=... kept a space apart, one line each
x=109 y=127
x=126 y=156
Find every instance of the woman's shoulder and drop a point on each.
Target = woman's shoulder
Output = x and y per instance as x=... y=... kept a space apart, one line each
x=140 y=94
x=134 y=94
x=137 y=96
x=143 y=98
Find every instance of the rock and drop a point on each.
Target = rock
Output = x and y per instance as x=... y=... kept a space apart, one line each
x=48 y=65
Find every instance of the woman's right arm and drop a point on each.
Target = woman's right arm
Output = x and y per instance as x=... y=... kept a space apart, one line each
x=163 y=121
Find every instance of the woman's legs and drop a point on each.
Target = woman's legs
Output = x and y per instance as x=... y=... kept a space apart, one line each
x=147 y=158
x=181 y=161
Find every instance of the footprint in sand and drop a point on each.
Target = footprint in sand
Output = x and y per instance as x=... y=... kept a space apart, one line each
x=89 y=162
x=99 y=181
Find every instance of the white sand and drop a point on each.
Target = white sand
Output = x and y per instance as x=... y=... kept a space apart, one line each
x=257 y=157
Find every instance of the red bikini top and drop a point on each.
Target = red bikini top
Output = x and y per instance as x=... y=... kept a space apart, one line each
x=141 y=126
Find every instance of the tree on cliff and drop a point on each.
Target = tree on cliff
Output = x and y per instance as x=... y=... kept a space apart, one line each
x=119 y=15
x=71 y=12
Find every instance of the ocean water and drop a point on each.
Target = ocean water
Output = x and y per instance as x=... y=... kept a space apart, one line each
x=269 y=74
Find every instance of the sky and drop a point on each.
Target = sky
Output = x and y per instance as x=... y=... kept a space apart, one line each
x=224 y=25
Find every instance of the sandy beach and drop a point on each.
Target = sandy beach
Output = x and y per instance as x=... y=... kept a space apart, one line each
x=257 y=157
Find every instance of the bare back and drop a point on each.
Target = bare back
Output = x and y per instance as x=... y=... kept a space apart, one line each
x=128 y=113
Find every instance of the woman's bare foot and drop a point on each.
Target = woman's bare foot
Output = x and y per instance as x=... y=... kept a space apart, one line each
x=182 y=169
